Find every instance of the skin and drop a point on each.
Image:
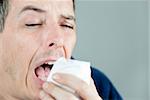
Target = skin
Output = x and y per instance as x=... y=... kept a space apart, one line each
x=36 y=31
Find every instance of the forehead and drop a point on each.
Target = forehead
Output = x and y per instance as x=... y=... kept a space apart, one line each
x=40 y=1
x=55 y=5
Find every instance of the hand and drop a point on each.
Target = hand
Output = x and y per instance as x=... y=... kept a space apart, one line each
x=83 y=91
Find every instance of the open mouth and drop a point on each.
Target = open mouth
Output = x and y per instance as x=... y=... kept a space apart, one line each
x=43 y=71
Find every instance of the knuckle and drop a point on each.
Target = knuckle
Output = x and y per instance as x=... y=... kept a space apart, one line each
x=53 y=89
x=83 y=87
x=70 y=97
x=46 y=97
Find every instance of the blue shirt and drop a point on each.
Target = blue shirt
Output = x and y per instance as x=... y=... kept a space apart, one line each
x=105 y=88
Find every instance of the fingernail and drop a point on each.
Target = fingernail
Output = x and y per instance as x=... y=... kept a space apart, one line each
x=56 y=77
x=45 y=85
x=42 y=94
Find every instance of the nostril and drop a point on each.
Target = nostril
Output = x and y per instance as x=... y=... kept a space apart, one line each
x=51 y=44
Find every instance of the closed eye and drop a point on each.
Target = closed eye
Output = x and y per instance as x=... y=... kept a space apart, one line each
x=67 y=26
x=33 y=25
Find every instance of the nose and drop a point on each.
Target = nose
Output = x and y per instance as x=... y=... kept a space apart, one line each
x=55 y=42
x=55 y=38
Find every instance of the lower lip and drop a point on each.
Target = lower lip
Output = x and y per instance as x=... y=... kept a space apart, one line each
x=38 y=81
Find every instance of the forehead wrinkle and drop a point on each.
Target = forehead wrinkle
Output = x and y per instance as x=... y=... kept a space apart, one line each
x=58 y=8
x=50 y=5
x=32 y=8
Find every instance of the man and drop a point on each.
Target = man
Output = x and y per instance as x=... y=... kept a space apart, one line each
x=33 y=33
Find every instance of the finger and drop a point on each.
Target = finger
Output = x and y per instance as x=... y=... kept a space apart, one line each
x=93 y=86
x=57 y=92
x=44 y=96
x=81 y=87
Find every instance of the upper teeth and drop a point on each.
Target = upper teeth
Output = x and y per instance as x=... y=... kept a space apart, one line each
x=50 y=63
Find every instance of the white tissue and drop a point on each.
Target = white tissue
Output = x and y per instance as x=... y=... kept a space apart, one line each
x=80 y=69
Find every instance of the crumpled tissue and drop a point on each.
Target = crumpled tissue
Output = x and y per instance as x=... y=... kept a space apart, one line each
x=80 y=69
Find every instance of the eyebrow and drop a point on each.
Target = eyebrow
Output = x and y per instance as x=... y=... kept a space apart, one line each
x=32 y=8
x=36 y=9
x=68 y=17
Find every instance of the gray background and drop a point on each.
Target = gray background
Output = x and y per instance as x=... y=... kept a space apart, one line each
x=113 y=36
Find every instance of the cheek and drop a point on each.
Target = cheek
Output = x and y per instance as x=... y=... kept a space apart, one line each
x=69 y=44
x=28 y=47
x=9 y=55
x=18 y=52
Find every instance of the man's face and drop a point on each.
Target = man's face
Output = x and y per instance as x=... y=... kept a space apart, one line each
x=36 y=32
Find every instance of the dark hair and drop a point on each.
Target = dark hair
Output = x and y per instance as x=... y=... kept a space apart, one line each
x=4 y=6
x=74 y=4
